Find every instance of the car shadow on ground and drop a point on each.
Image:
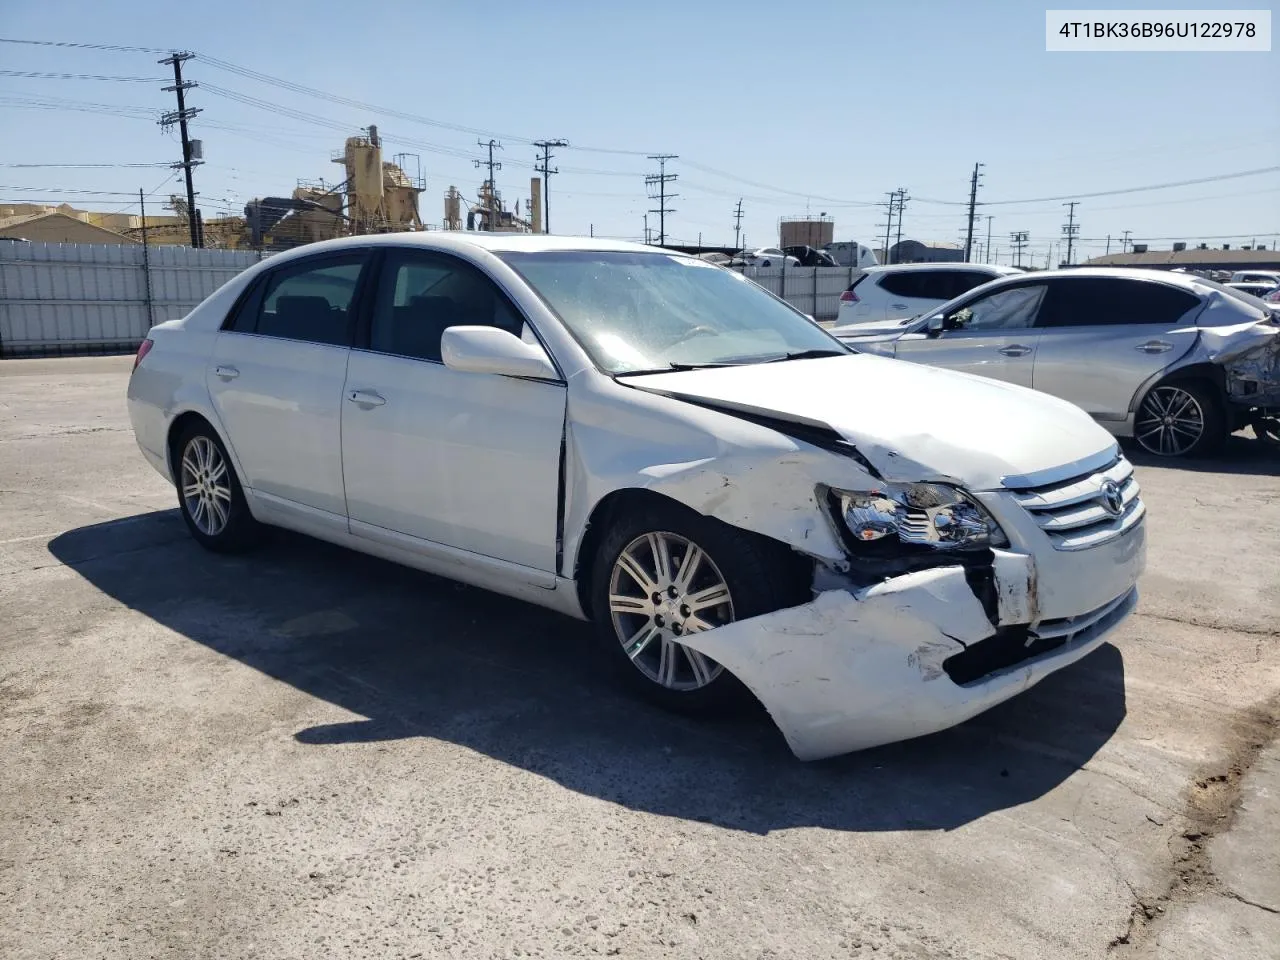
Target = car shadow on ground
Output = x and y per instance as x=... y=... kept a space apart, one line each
x=419 y=656
x=1243 y=453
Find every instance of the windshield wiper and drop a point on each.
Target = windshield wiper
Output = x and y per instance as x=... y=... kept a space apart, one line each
x=676 y=368
x=808 y=354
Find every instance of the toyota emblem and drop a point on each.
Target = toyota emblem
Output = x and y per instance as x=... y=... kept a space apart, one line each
x=1112 y=498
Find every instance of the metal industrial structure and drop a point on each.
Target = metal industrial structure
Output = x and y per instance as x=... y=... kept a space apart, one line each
x=376 y=196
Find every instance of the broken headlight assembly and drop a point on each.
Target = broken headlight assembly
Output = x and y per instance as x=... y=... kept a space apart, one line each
x=893 y=519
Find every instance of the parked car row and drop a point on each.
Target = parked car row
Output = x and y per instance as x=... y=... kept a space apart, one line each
x=1173 y=360
x=646 y=441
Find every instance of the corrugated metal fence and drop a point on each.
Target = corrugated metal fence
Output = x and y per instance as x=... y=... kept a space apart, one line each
x=67 y=298
x=58 y=298
x=812 y=290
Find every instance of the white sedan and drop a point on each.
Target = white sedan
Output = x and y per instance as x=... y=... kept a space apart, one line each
x=875 y=549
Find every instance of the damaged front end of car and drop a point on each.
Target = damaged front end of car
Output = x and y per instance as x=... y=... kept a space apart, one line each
x=933 y=617
x=1250 y=362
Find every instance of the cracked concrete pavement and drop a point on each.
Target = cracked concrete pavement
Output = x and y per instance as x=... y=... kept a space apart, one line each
x=308 y=753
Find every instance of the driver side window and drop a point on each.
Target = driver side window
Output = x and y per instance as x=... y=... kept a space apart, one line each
x=421 y=295
x=1010 y=309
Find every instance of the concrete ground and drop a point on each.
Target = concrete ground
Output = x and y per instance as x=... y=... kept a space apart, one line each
x=307 y=753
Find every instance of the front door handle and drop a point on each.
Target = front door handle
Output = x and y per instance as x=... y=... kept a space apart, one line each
x=366 y=398
x=1015 y=350
x=226 y=373
x=1155 y=346
x=898 y=306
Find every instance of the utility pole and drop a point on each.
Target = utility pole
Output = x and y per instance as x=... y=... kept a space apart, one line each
x=888 y=226
x=1070 y=229
x=1124 y=246
x=491 y=201
x=1108 y=243
x=737 y=224
x=1019 y=240
x=987 y=251
x=973 y=203
x=660 y=180
x=181 y=116
x=902 y=203
x=146 y=259
x=543 y=166
x=646 y=226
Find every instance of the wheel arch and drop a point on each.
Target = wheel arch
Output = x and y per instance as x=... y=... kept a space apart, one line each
x=1203 y=372
x=180 y=423
x=619 y=502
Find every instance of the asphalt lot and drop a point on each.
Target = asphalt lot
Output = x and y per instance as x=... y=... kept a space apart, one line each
x=308 y=753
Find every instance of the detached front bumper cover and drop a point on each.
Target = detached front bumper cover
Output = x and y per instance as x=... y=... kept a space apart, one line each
x=858 y=668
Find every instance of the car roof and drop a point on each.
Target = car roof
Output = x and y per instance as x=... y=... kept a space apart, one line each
x=994 y=269
x=1187 y=281
x=461 y=240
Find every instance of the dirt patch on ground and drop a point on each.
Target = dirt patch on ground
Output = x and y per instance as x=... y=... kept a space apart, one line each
x=1211 y=802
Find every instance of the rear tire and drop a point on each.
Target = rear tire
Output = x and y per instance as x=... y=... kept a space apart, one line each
x=663 y=571
x=210 y=497
x=1181 y=418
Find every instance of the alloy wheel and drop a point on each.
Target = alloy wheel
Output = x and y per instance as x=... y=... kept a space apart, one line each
x=663 y=587
x=206 y=486
x=1170 y=421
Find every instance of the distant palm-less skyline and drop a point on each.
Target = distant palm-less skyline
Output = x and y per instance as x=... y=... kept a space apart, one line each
x=818 y=108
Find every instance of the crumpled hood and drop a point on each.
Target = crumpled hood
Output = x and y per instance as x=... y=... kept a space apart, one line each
x=911 y=422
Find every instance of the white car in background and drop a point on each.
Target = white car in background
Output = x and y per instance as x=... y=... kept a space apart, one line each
x=768 y=257
x=1271 y=277
x=895 y=292
x=637 y=438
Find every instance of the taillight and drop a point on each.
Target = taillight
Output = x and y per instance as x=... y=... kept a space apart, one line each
x=143 y=349
x=849 y=296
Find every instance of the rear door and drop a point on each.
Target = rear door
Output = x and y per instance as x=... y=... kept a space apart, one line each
x=1102 y=337
x=276 y=378
x=990 y=336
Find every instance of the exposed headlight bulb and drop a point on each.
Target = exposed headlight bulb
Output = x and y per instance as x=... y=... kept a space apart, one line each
x=928 y=515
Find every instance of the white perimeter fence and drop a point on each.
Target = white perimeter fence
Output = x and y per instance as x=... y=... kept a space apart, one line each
x=76 y=298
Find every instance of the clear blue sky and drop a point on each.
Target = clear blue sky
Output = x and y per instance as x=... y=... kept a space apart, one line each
x=837 y=102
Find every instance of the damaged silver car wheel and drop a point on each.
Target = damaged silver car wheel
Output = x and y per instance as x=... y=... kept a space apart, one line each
x=665 y=587
x=1178 y=420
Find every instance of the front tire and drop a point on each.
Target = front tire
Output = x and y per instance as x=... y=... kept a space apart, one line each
x=209 y=493
x=663 y=572
x=1180 y=419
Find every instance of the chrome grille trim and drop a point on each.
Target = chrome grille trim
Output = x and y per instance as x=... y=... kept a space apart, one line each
x=1071 y=513
x=1070 y=626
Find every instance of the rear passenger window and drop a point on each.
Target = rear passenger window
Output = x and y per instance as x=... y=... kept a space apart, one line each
x=1111 y=301
x=311 y=301
x=906 y=284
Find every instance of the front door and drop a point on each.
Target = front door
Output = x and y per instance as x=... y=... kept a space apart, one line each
x=467 y=460
x=276 y=377
x=990 y=336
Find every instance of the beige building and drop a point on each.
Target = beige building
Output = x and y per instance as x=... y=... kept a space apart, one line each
x=57 y=227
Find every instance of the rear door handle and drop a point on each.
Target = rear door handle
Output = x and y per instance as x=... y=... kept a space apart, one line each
x=1155 y=346
x=1015 y=350
x=226 y=373
x=898 y=306
x=366 y=398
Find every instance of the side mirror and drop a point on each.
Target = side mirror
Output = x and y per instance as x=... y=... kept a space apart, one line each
x=490 y=350
x=936 y=324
